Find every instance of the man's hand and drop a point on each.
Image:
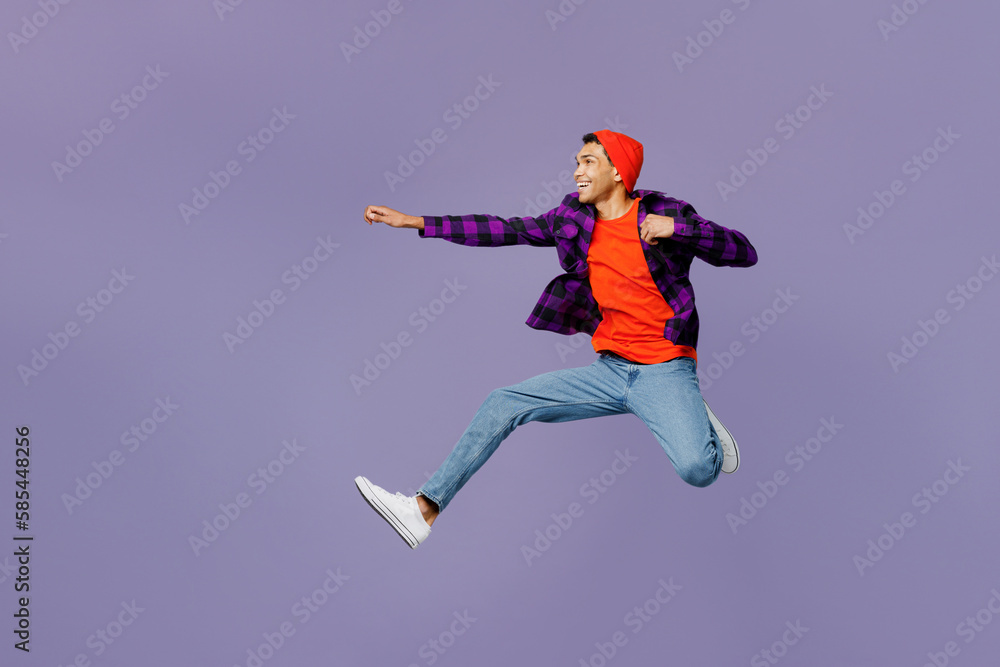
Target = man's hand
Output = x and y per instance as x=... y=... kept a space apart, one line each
x=656 y=227
x=392 y=217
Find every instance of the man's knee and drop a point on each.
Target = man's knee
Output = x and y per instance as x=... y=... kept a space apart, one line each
x=501 y=396
x=698 y=473
x=507 y=404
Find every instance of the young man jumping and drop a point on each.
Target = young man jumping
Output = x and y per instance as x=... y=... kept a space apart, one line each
x=626 y=255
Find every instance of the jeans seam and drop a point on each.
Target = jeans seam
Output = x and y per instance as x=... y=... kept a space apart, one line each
x=628 y=385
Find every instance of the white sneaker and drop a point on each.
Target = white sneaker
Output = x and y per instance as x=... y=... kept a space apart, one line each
x=731 y=453
x=401 y=512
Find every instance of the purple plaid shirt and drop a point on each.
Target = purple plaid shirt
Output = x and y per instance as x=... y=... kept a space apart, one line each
x=567 y=305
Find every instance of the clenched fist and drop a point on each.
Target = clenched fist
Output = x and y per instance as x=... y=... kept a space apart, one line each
x=392 y=217
x=656 y=226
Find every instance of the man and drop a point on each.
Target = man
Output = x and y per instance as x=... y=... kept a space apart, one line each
x=626 y=254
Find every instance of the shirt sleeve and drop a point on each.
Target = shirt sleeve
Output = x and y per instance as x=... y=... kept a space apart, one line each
x=713 y=243
x=491 y=230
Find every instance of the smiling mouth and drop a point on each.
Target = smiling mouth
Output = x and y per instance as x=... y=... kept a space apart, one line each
x=582 y=186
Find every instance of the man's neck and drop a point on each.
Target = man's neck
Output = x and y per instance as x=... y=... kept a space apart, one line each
x=615 y=206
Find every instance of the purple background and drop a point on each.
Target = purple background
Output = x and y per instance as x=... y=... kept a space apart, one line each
x=607 y=65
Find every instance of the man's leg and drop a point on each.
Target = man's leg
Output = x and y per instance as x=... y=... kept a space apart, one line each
x=667 y=397
x=556 y=396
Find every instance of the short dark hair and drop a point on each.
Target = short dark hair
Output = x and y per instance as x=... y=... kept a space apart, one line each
x=591 y=138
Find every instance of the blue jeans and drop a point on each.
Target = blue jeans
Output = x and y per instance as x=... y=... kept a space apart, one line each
x=665 y=396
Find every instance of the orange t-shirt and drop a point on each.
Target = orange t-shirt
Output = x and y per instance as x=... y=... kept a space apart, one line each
x=633 y=311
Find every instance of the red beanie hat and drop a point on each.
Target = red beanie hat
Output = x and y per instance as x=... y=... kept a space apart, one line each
x=625 y=153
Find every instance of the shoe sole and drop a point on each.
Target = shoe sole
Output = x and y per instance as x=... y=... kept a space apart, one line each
x=384 y=512
x=725 y=434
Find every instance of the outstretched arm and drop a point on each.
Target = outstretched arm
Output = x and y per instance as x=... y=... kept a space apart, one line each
x=472 y=230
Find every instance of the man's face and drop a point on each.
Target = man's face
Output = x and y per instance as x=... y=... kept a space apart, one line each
x=594 y=175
